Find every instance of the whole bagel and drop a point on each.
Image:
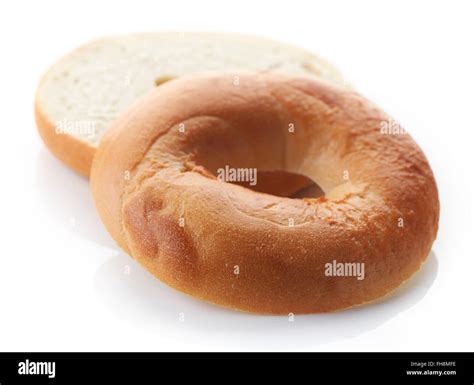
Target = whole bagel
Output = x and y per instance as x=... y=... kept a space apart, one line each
x=154 y=180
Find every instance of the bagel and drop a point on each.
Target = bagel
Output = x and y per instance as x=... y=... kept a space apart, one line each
x=156 y=185
x=81 y=95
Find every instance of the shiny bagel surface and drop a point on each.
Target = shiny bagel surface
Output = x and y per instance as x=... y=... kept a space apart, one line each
x=155 y=183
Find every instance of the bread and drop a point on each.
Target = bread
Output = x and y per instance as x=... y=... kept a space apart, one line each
x=155 y=182
x=82 y=94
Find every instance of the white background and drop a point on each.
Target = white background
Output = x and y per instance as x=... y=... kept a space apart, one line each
x=63 y=281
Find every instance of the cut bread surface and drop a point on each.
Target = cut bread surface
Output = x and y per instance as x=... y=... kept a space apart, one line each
x=83 y=93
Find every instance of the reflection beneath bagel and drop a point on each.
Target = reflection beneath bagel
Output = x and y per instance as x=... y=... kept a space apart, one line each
x=68 y=200
x=137 y=297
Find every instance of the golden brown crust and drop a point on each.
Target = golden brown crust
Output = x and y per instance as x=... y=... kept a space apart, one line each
x=76 y=153
x=154 y=186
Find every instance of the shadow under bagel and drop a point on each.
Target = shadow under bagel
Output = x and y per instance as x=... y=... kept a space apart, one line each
x=67 y=199
x=134 y=295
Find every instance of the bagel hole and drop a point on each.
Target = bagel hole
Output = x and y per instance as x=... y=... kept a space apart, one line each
x=284 y=184
x=163 y=79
